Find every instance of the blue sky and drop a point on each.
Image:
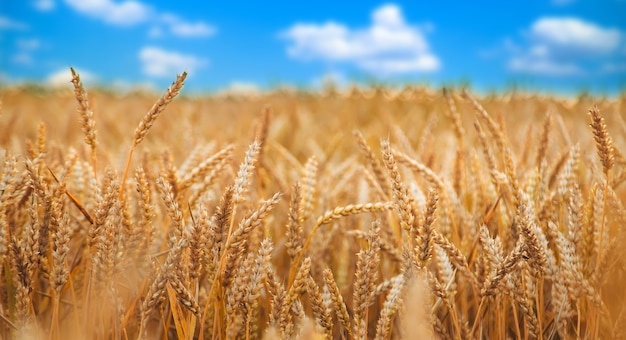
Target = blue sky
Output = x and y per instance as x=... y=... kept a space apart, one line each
x=561 y=46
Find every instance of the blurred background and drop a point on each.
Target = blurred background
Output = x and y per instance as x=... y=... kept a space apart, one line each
x=562 y=47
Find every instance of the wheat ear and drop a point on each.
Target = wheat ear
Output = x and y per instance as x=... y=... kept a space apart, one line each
x=144 y=126
x=332 y=215
x=604 y=145
x=86 y=114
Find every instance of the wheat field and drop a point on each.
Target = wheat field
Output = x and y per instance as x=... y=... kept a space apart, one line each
x=343 y=214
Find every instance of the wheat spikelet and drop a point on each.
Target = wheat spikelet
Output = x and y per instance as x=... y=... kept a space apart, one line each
x=245 y=171
x=492 y=126
x=511 y=174
x=455 y=116
x=219 y=223
x=277 y=303
x=523 y=293
x=373 y=162
x=40 y=187
x=199 y=153
x=426 y=139
x=173 y=210
x=148 y=120
x=294 y=230
x=337 y=299
x=87 y=117
x=146 y=209
x=209 y=179
x=448 y=197
x=542 y=148
x=491 y=162
x=307 y=197
x=290 y=307
x=423 y=242
x=262 y=131
x=364 y=281
x=494 y=280
x=404 y=203
x=562 y=306
x=241 y=234
x=155 y=294
x=22 y=278
x=198 y=242
x=604 y=143
x=533 y=237
x=386 y=245
x=260 y=270
x=104 y=240
x=185 y=297
x=201 y=170
x=403 y=140
x=351 y=209
x=61 y=238
x=8 y=186
x=41 y=139
x=456 y=257
x=459 y=176
x=390 y=307
x=245 y=291
x=321 y=311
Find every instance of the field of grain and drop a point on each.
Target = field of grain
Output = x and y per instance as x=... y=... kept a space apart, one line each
x=353 y=214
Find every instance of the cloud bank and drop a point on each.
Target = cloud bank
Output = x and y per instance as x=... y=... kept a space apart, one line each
x=388 y=46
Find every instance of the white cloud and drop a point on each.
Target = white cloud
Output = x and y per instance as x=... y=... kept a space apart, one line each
x=401 y=65
x=575 y=34
x=563 y=46
x=10 y=24
x=63 y=77
x=44 y=5
x=239 y=88
x=158 y=62
x=389 y=45
x=128 y=12
x=132 y=12
x=181 y=28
